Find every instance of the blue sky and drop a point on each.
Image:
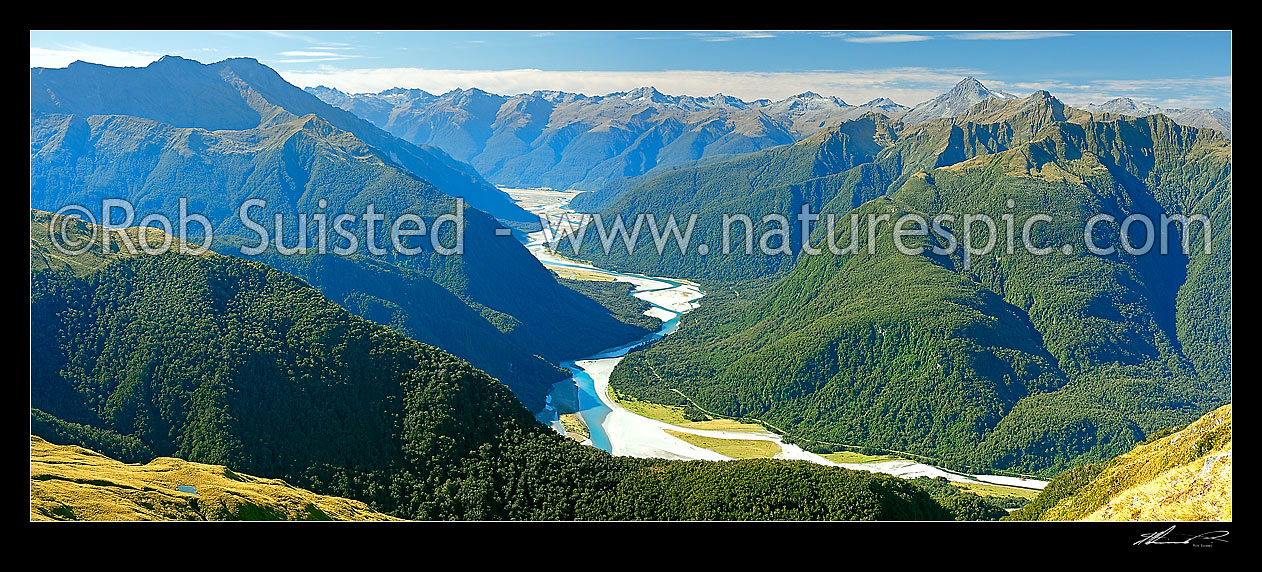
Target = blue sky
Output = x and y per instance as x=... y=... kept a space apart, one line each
x=1172 y=69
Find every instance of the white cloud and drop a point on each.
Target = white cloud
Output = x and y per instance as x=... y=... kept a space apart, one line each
x=63 y=56
x=888 y=38
x=904 y=85
x=314 y=54
x=293 y=36
x=1030 y=35
x=317 y=54
x=732 y=35
x=309 y=60
x=1165 y=92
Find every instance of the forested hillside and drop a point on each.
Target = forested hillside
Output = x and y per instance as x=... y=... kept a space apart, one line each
x=224 y=361
x=833 y=171
x=1011 y=361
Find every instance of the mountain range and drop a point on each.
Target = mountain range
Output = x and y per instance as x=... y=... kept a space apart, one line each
x=219 y=134
x=1217 y=118
x=570 y=140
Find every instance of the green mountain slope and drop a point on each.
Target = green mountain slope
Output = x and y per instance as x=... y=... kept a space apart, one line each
x=833 y=171
x=1019 y=362
x=753 y=184
x=295 y=164
x=410 y=302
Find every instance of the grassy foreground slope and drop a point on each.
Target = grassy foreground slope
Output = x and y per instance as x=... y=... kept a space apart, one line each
x=73 y=483
x=1185 y=475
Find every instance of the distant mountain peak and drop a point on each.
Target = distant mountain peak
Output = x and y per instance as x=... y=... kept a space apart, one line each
x=971 y=85
x=403 y=91
x=805 y=101
x=647 y=92
x=1125 y=106
x=963 y=95
x=885 y=104
x=325 y=89
x=556 y=96
x=814 y=98
x=469 y=91
x=1042 y=94
x=728 y=100
x=173 y=62
x=1217 y=118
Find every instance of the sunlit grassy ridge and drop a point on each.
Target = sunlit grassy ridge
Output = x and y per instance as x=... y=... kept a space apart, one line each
x=72 y=233
x=73 y=483
x=1182 y=476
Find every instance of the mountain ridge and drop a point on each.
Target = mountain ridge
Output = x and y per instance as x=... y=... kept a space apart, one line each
x=239 y=94
x=1183 y=473
x=1216 y=118
x=565 y=139
x=294 y=162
